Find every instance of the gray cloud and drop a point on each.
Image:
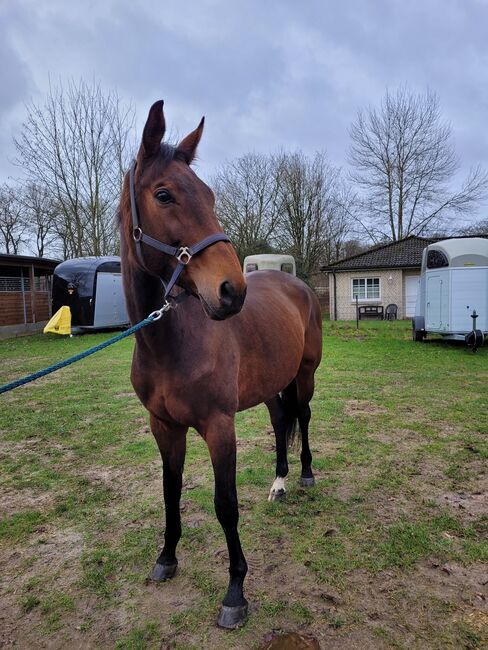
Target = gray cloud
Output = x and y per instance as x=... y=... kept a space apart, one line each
x=266 y=75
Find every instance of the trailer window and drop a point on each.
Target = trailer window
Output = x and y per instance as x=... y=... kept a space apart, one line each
x=251 y=267
x=287 y=267
x=366 y=288
x=436 y=259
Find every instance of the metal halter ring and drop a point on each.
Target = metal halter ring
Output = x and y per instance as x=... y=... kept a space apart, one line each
x=184 y=255
x=137 y=234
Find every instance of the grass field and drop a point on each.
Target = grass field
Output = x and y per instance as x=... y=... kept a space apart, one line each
x=389 y=550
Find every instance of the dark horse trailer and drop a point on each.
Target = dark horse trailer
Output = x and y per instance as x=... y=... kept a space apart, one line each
x=92 y=288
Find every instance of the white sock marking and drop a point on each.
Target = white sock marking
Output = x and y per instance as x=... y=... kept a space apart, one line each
x=278 y=484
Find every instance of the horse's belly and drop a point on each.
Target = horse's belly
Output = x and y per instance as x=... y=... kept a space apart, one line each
x=268 y=366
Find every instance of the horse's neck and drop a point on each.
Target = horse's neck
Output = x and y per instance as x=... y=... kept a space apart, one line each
x=145 y=294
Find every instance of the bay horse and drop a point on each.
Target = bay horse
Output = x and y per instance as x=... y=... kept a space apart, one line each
x=232 y=344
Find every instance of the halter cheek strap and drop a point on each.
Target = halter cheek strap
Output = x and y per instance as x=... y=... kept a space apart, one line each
x=183 y=253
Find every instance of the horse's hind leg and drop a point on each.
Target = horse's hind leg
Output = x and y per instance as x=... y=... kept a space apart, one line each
x=281 y=424
x=305 y=388
x=171 y=440
x=306 y=477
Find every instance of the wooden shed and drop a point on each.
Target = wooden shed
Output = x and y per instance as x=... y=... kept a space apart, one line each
x=25 y=293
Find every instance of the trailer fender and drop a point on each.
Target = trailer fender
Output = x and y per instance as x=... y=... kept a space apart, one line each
x=418 y=328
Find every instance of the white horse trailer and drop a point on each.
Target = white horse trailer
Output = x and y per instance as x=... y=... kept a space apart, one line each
x=453 y=291
x=270 y=262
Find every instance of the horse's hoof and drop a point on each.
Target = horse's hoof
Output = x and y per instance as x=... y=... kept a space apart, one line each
x=307 y=481
x=231 y=618
x=163 y=572
x=277 y=495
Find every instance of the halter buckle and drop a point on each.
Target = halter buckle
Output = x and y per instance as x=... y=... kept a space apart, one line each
x=137 y=234
x=183 y=255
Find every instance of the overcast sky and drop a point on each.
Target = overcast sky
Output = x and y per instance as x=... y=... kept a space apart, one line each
x=267 y=74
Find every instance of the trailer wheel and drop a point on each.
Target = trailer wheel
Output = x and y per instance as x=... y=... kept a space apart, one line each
x=475 y=339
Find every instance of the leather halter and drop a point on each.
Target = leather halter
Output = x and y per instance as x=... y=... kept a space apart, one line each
x=182 y=253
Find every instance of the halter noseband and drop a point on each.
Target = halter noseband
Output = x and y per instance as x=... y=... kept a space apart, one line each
x=183 y=253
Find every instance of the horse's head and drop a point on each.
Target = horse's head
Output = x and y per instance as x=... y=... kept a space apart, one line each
x=177 y=208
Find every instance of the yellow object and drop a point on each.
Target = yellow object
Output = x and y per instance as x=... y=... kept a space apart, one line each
x=60 y=323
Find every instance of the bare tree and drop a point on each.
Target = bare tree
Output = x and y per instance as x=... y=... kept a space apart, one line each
x=40 y=217
x=404 y=162
x=246 y=191
x=76 y=146
x=314 y=209
x=479 y=228
x=285 y=202
x=12 y=224
x=339 y=221
x=353 y=247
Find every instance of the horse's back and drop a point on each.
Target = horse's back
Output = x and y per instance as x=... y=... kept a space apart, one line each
x=281 y=298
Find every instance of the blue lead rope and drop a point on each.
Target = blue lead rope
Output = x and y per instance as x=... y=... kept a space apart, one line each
x=77 y=357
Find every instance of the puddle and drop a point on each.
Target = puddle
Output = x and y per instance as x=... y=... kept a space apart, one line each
x=290 y=641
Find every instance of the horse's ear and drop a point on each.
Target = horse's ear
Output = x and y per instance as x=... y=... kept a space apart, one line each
x=153 y=131
x=188 y=146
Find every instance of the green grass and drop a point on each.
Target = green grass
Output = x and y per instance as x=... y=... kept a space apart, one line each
x=140 y=638
x=20 y=525
x=396 y=428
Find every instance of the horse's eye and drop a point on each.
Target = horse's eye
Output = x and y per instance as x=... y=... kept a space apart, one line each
x=163 y=196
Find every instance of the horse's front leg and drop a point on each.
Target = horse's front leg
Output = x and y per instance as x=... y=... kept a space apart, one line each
x=171 y=441
x=219 y=434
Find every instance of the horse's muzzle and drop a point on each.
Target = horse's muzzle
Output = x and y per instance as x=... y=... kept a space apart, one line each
x=230 y=302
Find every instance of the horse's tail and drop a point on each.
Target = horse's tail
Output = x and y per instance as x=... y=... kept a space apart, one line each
x=289 y=400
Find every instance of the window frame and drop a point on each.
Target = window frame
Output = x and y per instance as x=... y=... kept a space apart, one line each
x=365 y=280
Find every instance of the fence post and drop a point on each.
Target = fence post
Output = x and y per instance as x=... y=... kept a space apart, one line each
x=357 y=312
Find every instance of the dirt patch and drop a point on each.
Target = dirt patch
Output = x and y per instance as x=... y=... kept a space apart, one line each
x=405 y=437
x=20 y=447
x=108 y=475
x=472 y=504
x=20 y=500
x=248 y=443
x=356 y=407
x=290 y=641
x=50 y=551
x=428 y=598
x=50 y=548
x=478 y=620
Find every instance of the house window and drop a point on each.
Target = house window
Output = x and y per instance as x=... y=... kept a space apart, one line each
x=366 y=288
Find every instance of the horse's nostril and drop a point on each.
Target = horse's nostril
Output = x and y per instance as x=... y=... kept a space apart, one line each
x=227 y=294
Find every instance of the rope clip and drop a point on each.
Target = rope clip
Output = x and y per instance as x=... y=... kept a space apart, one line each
x=156 y=315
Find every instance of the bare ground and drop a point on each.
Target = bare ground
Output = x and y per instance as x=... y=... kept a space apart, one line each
x=365 y=610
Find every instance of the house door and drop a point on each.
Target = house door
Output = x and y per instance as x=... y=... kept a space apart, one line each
x=411 y=289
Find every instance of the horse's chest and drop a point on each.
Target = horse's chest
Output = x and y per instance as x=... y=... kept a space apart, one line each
x=183 y=396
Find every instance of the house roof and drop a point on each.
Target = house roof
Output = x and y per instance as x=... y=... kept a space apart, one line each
x=27 y=260
x=405 y=253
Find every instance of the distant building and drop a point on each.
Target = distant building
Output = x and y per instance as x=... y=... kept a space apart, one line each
x=383 y=275
x=25 y=293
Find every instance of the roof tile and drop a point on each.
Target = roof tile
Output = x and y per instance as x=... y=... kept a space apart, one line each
x=404 y=253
